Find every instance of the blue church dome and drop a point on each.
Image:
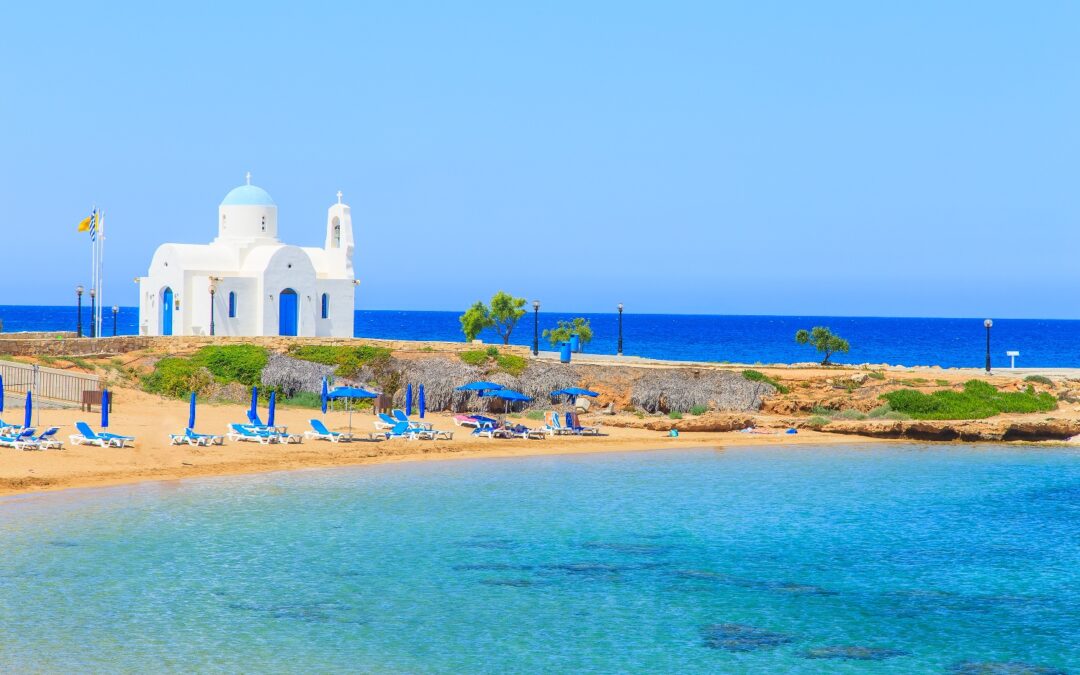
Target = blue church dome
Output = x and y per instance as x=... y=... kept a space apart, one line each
x=248 y=195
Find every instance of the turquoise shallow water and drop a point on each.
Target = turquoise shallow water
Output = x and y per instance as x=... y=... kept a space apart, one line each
x=843 y=560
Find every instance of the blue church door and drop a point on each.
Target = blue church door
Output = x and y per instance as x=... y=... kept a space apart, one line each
x=166 y=311
x=287 y=312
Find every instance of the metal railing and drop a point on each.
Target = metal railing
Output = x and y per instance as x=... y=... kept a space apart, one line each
x=47 y=383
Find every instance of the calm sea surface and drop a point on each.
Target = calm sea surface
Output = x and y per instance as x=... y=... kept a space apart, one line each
x=740 y=339
x=907 y=559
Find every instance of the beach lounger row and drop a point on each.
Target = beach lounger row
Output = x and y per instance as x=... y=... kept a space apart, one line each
x=24 y=439
x=556 y=424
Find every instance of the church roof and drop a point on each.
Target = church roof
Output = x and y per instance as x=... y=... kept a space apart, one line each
x=248 y=195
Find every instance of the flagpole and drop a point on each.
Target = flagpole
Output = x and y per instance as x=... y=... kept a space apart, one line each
x=93 y=265
x=101 y=271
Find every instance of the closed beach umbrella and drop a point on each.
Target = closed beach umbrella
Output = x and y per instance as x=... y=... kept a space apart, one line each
x=422 y=404
x=105 y=409
x=408 y=399
x=191 y=412
x=254 y=403
x=1 y=393
x=273 y=407
x=324 y=393
x=29 y=410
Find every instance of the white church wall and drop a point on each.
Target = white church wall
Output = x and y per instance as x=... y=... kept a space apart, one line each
x=339 y=321
x=247 y=319
x=289 y=268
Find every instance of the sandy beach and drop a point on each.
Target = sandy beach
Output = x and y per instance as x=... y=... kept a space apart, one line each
x=151 y=419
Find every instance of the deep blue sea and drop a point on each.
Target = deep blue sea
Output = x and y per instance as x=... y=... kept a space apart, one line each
x=739 y=339
x=876 y=559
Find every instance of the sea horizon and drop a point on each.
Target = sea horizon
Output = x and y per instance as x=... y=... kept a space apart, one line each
x=948 y=342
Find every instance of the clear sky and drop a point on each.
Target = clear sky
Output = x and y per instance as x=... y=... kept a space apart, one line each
x=851 y=158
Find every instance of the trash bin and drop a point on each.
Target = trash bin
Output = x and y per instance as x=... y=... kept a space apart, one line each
x=575 y=344
x=564 y=352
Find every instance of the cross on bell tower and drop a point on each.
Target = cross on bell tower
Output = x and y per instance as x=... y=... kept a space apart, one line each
x=339 y=195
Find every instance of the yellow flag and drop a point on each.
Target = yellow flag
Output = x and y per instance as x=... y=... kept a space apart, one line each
x=84 y=224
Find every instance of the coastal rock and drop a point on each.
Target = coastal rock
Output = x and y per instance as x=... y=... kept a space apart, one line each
x=993 y=429
x=707 y=422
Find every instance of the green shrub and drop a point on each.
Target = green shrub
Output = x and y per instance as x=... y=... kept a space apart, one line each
x=675 y=415
x=851 y=415
x=492 y=351
x=817 y=421
x=474 y=357
x=941 y=383
x=699 y=410
x=880 y=411
x=977 y=401
x=1041 y=379
x=876 y=374
x=512 y=364
x=177 y=378
x=535 y=415
x=893 y=415
x=348 y=360
x=304 y=399
x=822 y=410
x=758 y=376
x=233 y=363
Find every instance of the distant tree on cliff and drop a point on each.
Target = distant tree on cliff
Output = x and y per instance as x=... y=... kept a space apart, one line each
x=579 y=326
x=824 y=340
x=502 y=315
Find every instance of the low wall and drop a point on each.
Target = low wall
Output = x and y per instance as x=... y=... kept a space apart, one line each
x=66 y=344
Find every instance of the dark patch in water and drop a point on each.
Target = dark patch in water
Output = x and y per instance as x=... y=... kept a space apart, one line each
x=737 y=637
x=1003 y=668
x=64 y=544
x=853 y=653
x=493 y=544
x=918 y=602
x=312 y=612
x=636 y=549
x=599 y=568
x=774 y=586
x=517 y=583
x=491 y=567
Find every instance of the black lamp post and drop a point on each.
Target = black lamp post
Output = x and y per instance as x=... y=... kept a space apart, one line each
x=78 y=325
x=988 y=323
x=619 y=350
x=213 y=290
x=536 y=327
x=115 y=311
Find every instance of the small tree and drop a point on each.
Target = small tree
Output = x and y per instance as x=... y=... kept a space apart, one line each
x=579 y=326
x=824 y=341
x=474 y=320
x=505 y=312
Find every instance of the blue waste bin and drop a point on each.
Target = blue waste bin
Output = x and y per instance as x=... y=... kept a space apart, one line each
x=575 y=344
x=564 y=352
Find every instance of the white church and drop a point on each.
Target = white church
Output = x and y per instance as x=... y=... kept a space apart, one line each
x=246 y=282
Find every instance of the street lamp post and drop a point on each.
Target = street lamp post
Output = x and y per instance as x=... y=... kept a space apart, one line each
x=93 y=313
x=78 y=324
x=213 y=290
x=988 y=323
x=115 y=311
x=619 y=350
x=536 y=327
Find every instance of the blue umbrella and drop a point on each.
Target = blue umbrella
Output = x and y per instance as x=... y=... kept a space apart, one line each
x=191 y=412
x=254 y=403
x=408 y=399
x=27 y=421
x=324 y=393
x=574 y=391
x=349 y=393
x=422 y=403
x=508 y=395
x=273 y=406
x=1 y=393
x=105 y=409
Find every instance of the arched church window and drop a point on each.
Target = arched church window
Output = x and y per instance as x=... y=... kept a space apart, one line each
x=232 y=304
x=335 y=238
x=325 y=305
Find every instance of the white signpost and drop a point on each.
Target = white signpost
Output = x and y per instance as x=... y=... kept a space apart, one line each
x=1012 y=359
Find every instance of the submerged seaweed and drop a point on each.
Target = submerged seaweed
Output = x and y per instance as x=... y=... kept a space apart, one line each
x=1003 y=668
x=853 y=653
x=766 y=585
x=490 y=567
x=517 y=583
x=737 y=637
x=638 y=549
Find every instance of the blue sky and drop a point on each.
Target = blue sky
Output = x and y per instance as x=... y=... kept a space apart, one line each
x=832 y=158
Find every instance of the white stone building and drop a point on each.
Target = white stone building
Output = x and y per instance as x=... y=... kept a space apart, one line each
x=256 y=284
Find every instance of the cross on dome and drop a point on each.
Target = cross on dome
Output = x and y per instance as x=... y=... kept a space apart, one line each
x=248 y=177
